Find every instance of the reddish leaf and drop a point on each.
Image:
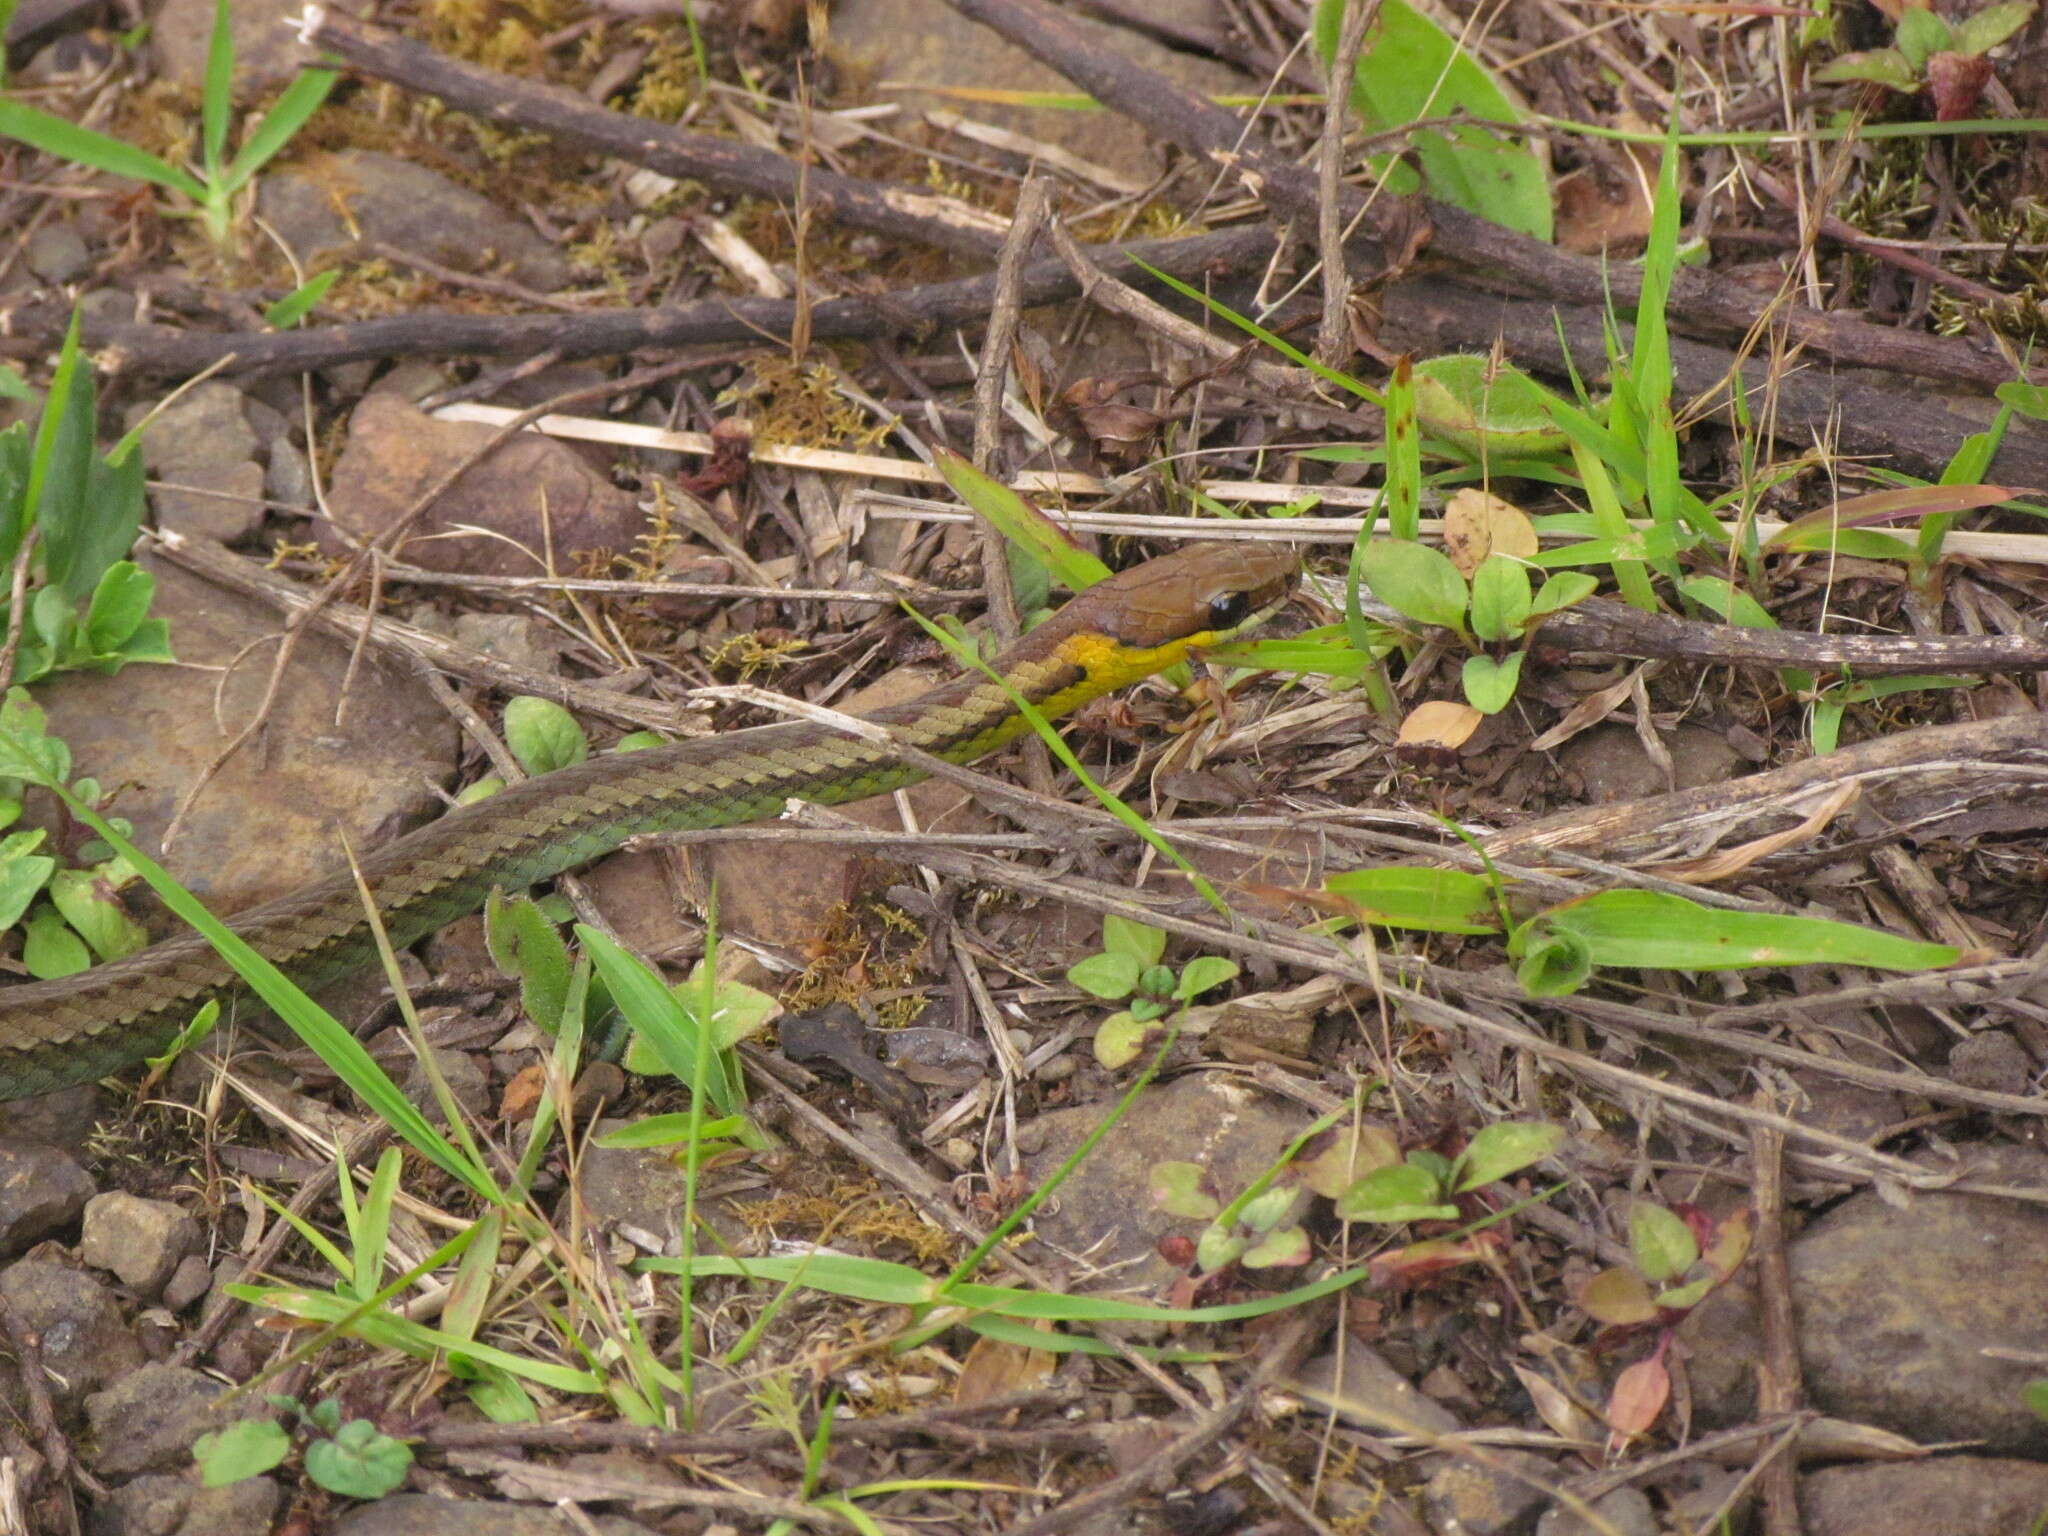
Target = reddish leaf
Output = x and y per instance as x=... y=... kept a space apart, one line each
x=1640 y=1393
x=1957 y=81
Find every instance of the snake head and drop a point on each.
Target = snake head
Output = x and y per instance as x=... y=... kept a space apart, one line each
x=1200 y=595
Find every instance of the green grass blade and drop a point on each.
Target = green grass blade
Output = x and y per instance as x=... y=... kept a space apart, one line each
x=301 y=99
x=82 y=146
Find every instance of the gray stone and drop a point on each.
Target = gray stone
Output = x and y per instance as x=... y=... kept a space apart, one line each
x=58 y=254
x=1949 y=1495
x=192 y=1279
x=912 y=43
x=203 y=440
x=267 y=50
x=1916 y=1319
x=305 y=782
x=41 y=1191
x=1102 y=1211
x=147 y=1421
x=329 y=203
x=1466 y=1497
x=164 y=1505
x=1627 y=1510
x=141 y=1241
x=76 y=1325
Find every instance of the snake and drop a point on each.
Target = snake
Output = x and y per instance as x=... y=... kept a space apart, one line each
x=1126 y=627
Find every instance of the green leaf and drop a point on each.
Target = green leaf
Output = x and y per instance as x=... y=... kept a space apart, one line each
x=296 y=305
x=1922 y=34
x=639 y=741
x=1552 y=963
x=1505 y=1147
x=26 y=750
x=1654 y=930
x=14 y=477
x=1202 y=974
x=60 y=465
x=120 y=602
x=1433 y=900
x=76 y=558
x=99 y=918
x=1887 y=67
x=1141 y=941
x=1415 y=580
x=669 y=1131
x=150 y=642
x=1401 y=1193
x=1277 y=1249
x=1106 y=976
x=1984 y=31
x=244 y=1449
x=1500 y=598
x=1019 y=522
x=2028 y=399
x=360 y=1462
x=299 y=101
x=1619 y=1298
x=50 y=949
x=1489 y=684
x=525 y=944
x=1156 y=981
x=1120 y=1039
x=1564 y=590
x=67 y=141
x=217 y=99
x=655 y=1013
x=21 y=877
x=1181 y=1189
x=543 y=735
x=1489 y=410
x=1412 y=69
x=1722 y=597
x=1662 y=1244
x=2035 y=1395
x=1219 y=1246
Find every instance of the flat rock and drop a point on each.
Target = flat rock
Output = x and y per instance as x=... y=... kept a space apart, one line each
x=329 y=204
x=1951 y=1495
x=78 y=1327
x=163 y=1505
x=1102 y=1211
x=1903 y=1314
x=147 y=1420
x=904 y=44
x=1611 y=765
x=270 y=820
x=533 y=494
x=268 y=53
x=204 y=440
x=41 y=1191
x=142 y=1242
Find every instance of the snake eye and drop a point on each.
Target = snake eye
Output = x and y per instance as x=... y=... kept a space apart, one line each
x=1229 y=610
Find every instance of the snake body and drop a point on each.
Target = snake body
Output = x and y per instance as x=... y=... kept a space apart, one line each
x=83 y=1027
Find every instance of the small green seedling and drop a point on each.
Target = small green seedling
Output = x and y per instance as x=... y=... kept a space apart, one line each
x=1357 y=1166
x=1129 y=967
x=1681 y=1255
x=1495 y=610
x=69 y=914
x=352 y=1458
x=1928 y=50
x=213 y=190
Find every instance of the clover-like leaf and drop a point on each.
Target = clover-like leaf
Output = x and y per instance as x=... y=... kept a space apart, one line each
x=1403 y=1192
x=1141 y=941
x=1505 y=1147
x=1618 y=1297
x=1281 y=1247
x=1202 y=974
x=1182 y=1189
x=1120 y=1040
x=1348 y=1155
x=359 y=1462
x=246 y=1448
x=1106 y=975
x=1219 y=1246
x=1662 y=1244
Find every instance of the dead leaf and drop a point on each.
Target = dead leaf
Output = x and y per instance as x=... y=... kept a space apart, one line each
x=1441 y=725
x=1732 y=861
x=996 y=1369
x=1556 y=1408
x=522 y=1094
x=1584 y=715
x=1479 y=523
